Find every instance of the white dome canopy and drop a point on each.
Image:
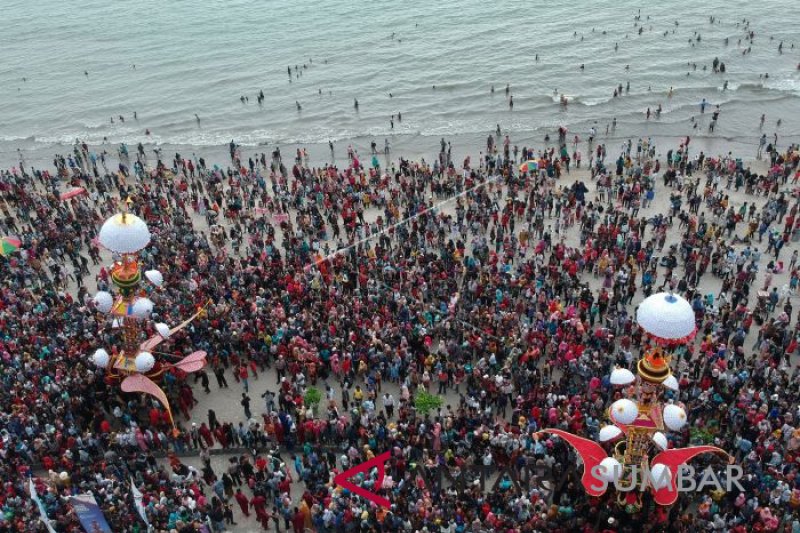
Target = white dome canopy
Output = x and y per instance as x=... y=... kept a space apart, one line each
x=671 y=383
x=104 y=301
x=142 y=308
x=666 y=316
x=144 y=362
x=124 y=233
x=608 y=433
x=622 y=376
x=674 y=417
x=101 y=358
x=162 y=329
x=660 y=476
x=661 y=440
x=611 y=469
x=155 y=277
x=624 y=411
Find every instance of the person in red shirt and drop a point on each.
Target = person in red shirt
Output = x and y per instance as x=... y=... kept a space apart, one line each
x=298 y=521
x=241 y=499
x=243 y=375
x=259 y=505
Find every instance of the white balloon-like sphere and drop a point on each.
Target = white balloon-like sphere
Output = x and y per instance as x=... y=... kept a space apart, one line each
x=100 y=358
x=155 y=277
x=142 y=308
x=671 y=383
x=624 y=411
x=611 y=469
x=622 y=376
x=674 y=417
x=609 y=432
x=162 y=329
x=63 y=476
x=660 y=439
x=660 y=476
x=103 y=301
x=144 y=362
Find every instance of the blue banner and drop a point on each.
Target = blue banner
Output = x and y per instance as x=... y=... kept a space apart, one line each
x=89 y=514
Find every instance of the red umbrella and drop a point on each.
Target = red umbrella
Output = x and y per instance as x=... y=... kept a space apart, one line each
x=72 y=193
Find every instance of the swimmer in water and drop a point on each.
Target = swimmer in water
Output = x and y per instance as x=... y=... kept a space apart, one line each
x=355 y=103
x=299 y=107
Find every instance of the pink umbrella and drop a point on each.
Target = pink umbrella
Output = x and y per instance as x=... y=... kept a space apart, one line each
x=72 y=193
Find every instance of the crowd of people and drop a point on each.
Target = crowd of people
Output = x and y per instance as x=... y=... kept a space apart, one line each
x=508 y=294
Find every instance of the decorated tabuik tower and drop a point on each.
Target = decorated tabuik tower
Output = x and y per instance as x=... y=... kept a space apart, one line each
x=130 y=359
x=638 y=422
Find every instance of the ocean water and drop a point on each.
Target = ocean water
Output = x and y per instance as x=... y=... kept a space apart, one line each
x=201 y=57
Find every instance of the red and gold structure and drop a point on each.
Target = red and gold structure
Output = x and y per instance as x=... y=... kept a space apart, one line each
x=131 y=361
x=640 y=419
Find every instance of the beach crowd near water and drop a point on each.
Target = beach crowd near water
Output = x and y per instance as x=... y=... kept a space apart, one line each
x=501 y=277
x=510 y=294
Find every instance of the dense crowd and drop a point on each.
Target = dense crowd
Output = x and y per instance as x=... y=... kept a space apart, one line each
x=509 y=293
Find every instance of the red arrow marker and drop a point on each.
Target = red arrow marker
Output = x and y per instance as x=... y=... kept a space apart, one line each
x=343 y=479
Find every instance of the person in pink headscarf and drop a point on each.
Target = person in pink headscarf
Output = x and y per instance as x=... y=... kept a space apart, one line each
x=437 y=437
x=140 y=440
x=335 y=367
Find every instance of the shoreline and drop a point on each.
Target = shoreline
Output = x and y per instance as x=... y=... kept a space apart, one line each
x=412 y=147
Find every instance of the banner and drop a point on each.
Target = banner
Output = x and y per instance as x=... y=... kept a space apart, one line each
x=137 y=502
x=40 y=505
x=89 y=514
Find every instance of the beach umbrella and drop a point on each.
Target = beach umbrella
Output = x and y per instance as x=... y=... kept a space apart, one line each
x=72 y=193
x=8 y=245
